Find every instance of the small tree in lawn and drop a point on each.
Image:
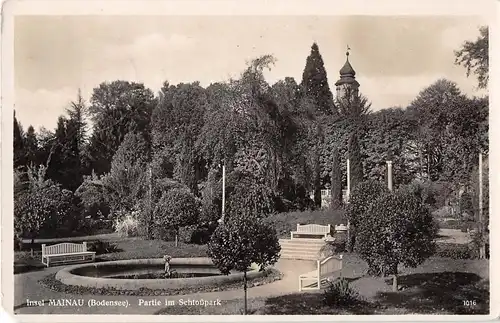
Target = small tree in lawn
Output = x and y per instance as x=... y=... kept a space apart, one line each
x=43 y=207
x=177 y=208
x=398 y=228
x=241 y=241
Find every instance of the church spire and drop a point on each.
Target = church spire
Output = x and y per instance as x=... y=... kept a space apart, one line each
x=347 y=77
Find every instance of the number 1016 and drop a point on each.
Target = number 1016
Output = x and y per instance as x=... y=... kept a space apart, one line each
x=470 y=303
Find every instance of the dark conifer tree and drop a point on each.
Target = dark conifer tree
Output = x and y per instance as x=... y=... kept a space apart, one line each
x=31 y=147
x=315 y=83
x=19 y=151
x=356 y=164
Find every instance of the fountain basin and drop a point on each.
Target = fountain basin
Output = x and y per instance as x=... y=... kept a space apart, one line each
x=110 y=274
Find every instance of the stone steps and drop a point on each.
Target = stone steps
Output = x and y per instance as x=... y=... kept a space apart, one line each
x=303 y=249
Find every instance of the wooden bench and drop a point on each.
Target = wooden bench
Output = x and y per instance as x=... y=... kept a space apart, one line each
x=312 y=230
x=340 y=228
x=324 y=272
x=65 y=253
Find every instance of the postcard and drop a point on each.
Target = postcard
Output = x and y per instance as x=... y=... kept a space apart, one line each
x=248 y=160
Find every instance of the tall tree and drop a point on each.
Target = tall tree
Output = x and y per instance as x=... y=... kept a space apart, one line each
x=126 y=182
x=176 y=122
x=356 y=164
x=31 y=146
x=19 y=151
x=336 y=180
x=115 y=109
x=474 y=56
x=353 y=106
x=432 y=113
x=315 y=82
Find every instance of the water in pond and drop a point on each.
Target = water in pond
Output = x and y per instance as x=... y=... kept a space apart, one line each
x=163 y=276
x=146 y=271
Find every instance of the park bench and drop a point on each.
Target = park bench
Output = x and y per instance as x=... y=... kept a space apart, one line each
x=325 y=269
x=312 y=230
x=340 y=228
x=65 y=253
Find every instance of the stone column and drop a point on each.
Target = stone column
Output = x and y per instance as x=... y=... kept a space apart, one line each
x=348 y=179
x=389 y=175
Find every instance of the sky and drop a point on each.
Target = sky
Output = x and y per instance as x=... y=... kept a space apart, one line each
x=394 y=57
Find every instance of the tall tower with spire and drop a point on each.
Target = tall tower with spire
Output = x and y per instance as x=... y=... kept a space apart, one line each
x=347 y=83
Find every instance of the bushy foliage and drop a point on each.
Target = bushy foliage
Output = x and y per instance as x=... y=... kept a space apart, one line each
x=336 y=200
x=92 y=193
x=44 y=208
x=396 y=229
x=177 y=208
x=355 y=161
x=127 y=225
x=423 y=191
x=454 y=251
x=340 y=293
x=361 y=197
x=126 y=182
x=102 y=247
x=332 y=248
x=466 y=207
x=250 y=197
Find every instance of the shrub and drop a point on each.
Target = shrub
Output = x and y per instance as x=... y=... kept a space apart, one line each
x=127 y=225
x=177 y=208
x=331 y=248
x=340 y=293
x=454 y=251
x=198 y=234
x=101 y=247
x=397 y=229
x=466 y=207
x=361 y=198
x=44 y=209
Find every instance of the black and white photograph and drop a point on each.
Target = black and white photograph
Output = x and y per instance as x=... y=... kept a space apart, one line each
x=275 y=164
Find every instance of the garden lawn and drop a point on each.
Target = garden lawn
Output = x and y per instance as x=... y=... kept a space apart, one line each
x=286 y=222
x=126 y=248
x=138 y=248
x=438 y=286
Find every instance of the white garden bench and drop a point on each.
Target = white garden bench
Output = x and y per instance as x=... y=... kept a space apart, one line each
x=324 y=271
x=312 y=230
x=66 y=252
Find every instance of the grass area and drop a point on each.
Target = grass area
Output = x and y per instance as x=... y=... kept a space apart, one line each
x=50 y=282
x=286 y=222
x=125 y=248
x=438 y=286
x=456 y=224
x=443 y=294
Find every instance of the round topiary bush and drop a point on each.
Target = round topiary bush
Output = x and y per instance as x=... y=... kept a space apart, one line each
x=177 y=208
x=398 y=228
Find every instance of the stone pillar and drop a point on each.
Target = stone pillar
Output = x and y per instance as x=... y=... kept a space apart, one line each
x=389 y=175
x=223 y=190
x=348 y=179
